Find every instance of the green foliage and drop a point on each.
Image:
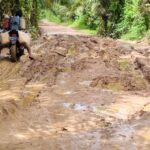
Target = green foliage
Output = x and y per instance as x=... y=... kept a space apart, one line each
x=124 y=65
x=133 y=24
x=147 y=35
x=34 y=32
x=61 y=11
x=116 y=18
x=48 y=14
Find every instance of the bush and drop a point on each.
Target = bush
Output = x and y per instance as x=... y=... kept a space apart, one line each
x=62 y=12
x=133 y=25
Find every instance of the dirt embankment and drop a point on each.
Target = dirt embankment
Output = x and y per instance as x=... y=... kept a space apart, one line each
x=101 y=61
x=81 y=92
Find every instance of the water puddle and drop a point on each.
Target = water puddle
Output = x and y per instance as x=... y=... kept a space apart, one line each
x=77 y=107
x=85 y=83
x=117 y=111
x=84 y=107
x=59 y=91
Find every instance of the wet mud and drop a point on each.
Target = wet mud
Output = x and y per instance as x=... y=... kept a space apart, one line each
x=81 y=93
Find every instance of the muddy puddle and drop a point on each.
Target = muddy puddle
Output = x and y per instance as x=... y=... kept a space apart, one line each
x=85 y=108
x=117 y=133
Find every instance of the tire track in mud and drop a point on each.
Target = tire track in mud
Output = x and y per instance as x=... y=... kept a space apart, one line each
x=8 y=82
x=16 y=91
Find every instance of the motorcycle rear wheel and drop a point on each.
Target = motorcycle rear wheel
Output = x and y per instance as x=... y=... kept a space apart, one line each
x=13 y=53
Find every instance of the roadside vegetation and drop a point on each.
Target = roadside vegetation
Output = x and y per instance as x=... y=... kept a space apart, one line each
x=129 y=19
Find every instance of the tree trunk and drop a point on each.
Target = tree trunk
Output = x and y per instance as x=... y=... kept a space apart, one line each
x=103 y=28
x=105 y=20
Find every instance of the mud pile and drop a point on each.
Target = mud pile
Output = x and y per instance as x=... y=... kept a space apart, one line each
x=72 y=61
x=144 y=65
x=95 y=59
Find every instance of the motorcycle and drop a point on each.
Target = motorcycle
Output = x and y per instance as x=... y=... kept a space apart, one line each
x=16 y=49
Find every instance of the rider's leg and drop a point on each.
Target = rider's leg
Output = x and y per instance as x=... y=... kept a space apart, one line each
x=21 y=50
x=29 y=51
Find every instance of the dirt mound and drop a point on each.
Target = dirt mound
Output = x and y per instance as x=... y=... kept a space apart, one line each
x=73 y=61
x=144 y=65
x=125 y=82
x=93 y=58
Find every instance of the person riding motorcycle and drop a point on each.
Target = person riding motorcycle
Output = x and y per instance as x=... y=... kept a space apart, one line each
x=14 y=24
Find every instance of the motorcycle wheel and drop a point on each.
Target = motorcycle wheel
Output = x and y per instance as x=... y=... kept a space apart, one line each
x=20 y=53
x=13 y=53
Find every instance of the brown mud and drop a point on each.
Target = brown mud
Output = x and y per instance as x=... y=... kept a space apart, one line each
x=81 y=93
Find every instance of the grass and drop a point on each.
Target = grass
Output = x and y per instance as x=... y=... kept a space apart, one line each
x=116 y=87
x=84 y=30
x=136 y=32
x=71 y=52
x=46 y=14
x=124 y=65
x=79 y=24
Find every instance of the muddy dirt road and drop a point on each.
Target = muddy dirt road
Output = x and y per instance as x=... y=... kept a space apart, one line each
x=81 y=93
